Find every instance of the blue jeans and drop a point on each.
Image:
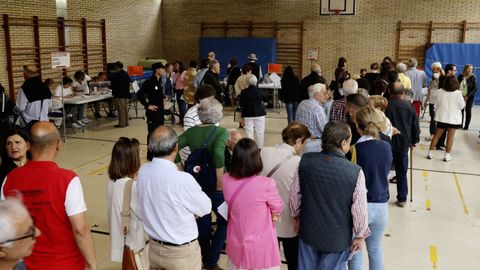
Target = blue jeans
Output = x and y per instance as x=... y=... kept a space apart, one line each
x=400 y=162
x=212 y=244
x=291 y=110
x=182 y=106
x=311 y=259
x=377 y=220
x=313 y=146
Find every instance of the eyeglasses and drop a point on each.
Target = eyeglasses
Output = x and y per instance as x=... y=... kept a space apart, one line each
x=30 y=234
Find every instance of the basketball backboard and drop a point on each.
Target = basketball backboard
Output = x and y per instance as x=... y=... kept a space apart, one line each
x=343 y=7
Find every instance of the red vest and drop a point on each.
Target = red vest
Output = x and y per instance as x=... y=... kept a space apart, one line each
x=44 y=186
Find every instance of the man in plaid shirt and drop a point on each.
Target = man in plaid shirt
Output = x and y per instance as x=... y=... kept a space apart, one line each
x=338 y=111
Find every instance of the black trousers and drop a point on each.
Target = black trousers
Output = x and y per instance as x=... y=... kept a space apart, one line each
x=468 y=110
x=154 y=120
x=433 y=126
x=290 y=249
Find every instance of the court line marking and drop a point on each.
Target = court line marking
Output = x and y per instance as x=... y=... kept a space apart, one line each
x=88 y=162
x=465 y=207
x=434 y=256
x=98 y=170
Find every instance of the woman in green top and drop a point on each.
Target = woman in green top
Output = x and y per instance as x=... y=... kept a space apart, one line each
x=209 y=113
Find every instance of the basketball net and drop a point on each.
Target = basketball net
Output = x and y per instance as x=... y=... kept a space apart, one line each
x=335 y=14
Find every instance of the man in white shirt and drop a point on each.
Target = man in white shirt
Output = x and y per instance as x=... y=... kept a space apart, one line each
x=80 y=86
x=170 y=201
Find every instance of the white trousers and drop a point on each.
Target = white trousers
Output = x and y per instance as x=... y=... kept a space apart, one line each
x=257 y=123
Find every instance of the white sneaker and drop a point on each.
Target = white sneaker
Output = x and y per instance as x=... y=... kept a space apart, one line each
x=447 y=157
x=86 y=120
x=75 y=125
x=80 y=123
x=429 y=155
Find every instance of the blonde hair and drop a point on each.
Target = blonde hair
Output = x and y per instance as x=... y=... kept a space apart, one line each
x=370 y=122
x=464 y=73
x=378 y=102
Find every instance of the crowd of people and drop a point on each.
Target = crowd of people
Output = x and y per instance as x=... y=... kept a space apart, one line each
x=208 y=186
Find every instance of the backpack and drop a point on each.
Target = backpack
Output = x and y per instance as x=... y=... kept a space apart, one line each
x=464 y=87
x=199 y=164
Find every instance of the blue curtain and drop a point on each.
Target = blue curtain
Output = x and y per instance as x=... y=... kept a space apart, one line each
x=227 y=48
x=459 y=54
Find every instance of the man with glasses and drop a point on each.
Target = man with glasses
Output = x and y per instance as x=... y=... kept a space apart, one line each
x=54 y=198
x=18 y=234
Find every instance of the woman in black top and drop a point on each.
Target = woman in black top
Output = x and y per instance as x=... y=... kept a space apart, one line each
x=471 y=81
x=253 y=110
x=15 y=154
x=289 y=92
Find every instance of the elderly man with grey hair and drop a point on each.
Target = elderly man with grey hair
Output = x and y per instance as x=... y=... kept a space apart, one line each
x=170 y=221
x=402 y=78
x=253 y=110
x=311 y=114
x=419 y=81
x=338 y=111
x=18 y=234
x=211 y=78
x=215 y=138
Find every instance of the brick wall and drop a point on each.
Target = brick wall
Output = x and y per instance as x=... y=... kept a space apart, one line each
x=133 y=30
x=364 y=38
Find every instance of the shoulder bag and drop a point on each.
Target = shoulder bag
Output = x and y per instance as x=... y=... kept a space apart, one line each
x=131 y=260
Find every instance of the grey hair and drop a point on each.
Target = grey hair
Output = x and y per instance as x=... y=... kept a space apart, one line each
x=251 y=79
x=11 y=211
x=350 y=87
x=412 y=62
x=210 y=111
x=436 y=64
x=401 y=67
x=315 y=88
x=162 y=144
x=316 y=68
x=212 y=64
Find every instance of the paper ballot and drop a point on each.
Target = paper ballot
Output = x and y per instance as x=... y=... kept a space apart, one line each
x=223 y=210
x=135 y=86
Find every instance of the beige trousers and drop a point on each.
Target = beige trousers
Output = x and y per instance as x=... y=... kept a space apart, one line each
x=122 y=109
x=184 y=257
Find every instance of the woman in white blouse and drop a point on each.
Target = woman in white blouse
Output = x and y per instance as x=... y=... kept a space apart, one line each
x=448 y=113
x=123 y=167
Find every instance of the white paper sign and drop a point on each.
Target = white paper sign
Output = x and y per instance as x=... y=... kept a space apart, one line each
x=312 y=54
x=60 y=60
x=223 y=210
x=135 y=86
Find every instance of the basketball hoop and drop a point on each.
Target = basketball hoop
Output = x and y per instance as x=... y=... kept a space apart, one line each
x=335 y=12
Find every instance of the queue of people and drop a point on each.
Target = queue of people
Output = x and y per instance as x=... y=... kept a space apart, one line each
x=335 y=157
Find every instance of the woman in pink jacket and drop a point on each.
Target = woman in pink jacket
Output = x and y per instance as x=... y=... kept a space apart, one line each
x=253 y=206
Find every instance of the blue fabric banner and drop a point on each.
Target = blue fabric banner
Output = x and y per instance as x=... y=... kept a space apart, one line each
x=459 y=54
x=228 y=48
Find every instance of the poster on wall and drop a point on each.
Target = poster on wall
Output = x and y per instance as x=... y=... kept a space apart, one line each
x=312 y=54
x=60 y=60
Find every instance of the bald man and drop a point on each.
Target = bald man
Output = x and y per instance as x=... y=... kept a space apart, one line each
x=314 y=77
x=54 y=198
x=233 y=137
x=34 y=97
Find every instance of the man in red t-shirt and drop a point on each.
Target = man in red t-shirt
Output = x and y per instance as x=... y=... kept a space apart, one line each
x=54 y=198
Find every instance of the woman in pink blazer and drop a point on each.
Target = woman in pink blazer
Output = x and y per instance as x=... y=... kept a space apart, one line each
x=253 y=205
